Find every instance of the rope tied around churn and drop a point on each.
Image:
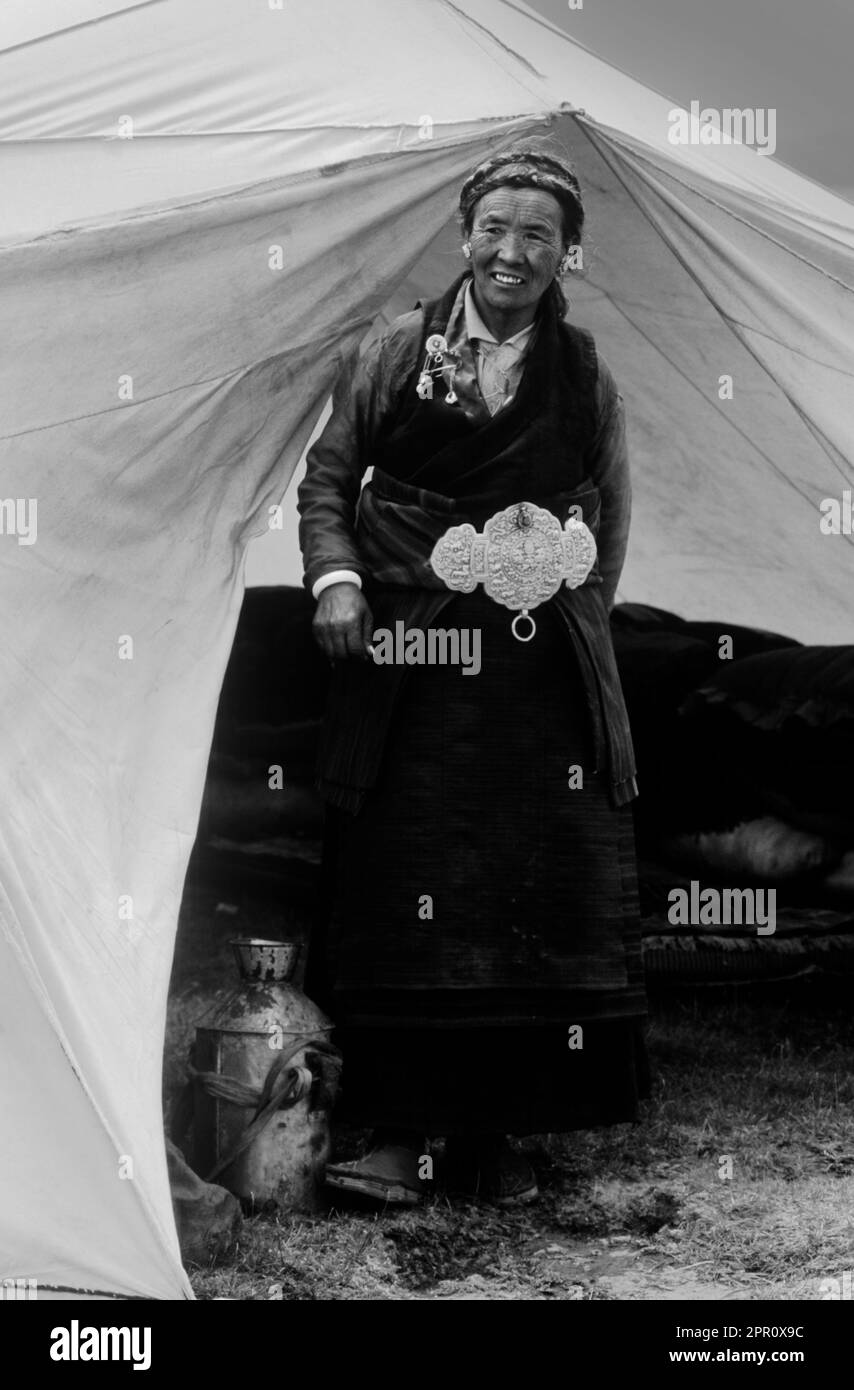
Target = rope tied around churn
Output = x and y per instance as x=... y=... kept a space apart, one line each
x=284 y=1085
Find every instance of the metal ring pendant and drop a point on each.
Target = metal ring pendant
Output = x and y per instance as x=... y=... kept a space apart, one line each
x=526 y=615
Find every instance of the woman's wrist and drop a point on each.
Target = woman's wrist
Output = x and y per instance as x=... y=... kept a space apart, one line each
x=335 y=577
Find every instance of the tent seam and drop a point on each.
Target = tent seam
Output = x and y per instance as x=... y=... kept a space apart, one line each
x=824 y=443
x=140 y=136
x=729 y=212
x=157 y=210
x=707 y=400
x=505 y=47
x=81 y=24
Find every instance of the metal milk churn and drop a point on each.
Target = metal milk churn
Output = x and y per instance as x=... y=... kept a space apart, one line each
x=265 y=1078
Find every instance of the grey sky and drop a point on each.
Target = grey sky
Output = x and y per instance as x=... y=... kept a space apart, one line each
x=794 y=57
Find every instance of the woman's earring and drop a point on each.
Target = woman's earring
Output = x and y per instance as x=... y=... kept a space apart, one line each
x=565 y=264
x=467 y=250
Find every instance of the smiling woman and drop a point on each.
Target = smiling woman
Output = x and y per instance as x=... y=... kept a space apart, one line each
x=517 y=237
x=516 y=245
x=480 y=952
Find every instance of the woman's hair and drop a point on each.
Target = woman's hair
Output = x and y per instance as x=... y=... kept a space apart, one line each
x=526 y=167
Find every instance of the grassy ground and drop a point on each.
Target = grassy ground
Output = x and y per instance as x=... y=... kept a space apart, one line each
x=764 y=1077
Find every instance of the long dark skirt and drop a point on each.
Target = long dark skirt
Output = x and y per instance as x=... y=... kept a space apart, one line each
x=483 y=903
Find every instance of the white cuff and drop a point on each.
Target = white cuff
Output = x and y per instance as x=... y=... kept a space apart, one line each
x=334 y=577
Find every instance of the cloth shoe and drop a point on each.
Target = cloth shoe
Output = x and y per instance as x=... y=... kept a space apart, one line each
x=486 y=1166
x=388 y=1173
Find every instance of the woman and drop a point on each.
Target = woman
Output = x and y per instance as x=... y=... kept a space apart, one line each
x=482 y=958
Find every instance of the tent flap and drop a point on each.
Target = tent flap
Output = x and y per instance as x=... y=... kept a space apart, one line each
x=206 y=205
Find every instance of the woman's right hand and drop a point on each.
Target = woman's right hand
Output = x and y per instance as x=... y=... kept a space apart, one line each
x=343 y=624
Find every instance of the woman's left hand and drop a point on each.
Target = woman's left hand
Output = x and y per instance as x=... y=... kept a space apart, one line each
x=343 y=624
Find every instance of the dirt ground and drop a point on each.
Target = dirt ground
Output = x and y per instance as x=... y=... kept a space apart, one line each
x=762 y=1076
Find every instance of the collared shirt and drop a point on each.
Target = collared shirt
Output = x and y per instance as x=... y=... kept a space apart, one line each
x=498 y=366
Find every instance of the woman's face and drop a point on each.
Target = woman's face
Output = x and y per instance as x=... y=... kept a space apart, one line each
x=516 y=247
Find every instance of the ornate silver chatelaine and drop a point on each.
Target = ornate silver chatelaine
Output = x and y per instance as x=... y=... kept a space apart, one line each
x=522 y=557
x=435 y=366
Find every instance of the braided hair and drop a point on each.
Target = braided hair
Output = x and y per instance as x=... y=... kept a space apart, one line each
x=526 y=167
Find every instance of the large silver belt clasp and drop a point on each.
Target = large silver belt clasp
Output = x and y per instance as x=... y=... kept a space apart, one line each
x=521 y=557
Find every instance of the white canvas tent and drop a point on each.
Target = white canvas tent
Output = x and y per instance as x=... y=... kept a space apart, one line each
x=206 y=205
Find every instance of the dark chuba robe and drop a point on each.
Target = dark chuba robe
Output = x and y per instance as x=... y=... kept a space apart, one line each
x=479 y=904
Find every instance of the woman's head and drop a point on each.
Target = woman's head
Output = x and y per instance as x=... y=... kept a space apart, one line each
x=526 y=168
x=520 y=212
